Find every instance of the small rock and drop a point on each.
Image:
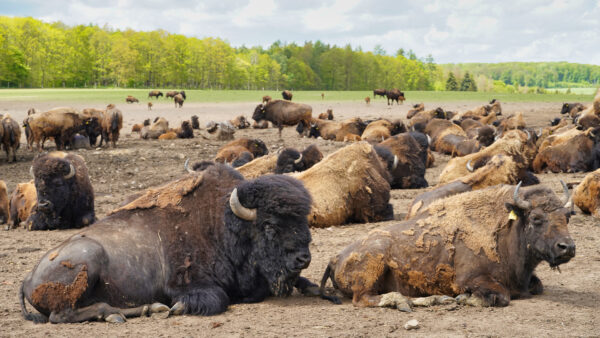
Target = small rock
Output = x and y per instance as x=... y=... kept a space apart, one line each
x=27 y=249
x=412 y=324
x=181 y=156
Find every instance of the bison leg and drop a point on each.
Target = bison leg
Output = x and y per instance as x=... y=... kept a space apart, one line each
x=485 y=291
x=535 y=285
x=206 y=302
x=390 y=299
x=311 y=289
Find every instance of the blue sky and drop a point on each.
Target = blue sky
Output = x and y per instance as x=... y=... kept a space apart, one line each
x=451 y=31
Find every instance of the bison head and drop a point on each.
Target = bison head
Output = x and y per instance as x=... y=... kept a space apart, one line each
x=314 y=131
x=289 y=161
x=544 y=218
x=259 y=113
x=272 y=211
x=565 y=108
x=258 y=148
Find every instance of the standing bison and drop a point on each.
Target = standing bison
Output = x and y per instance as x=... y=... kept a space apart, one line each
x=287 y=95
x=282 y=113
x=178 y=99
x=200 y=243
x=111 y=126
x=482 y=245
x=155 y=94
x=65 y=197
x=394 y=95
x=379 y=91
x=10 y=137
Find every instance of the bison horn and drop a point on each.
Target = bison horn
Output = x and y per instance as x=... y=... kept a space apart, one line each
x=239 y=210
x=31 y=172
x=395 y=162
x=428 y=139
x=528 y=134
x=539 y=134
x=525 y=205
x=566 y=200
x=71 y=172
x=186 y=167
x=469 y=166
x=298 y=159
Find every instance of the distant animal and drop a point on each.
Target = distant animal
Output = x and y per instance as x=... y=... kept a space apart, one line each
x=178 y=99
x=367 y=100
x=266 y=99
x=149 y=105
x=131 y=99
x=155 y=94
x=322 y=96
x=262 y=124
x=481 y=247
x=171 y=93
x=380 y=91
x=10 y=137
x=235 y=241
x=185 y=131
x=65 y=197
x=240 y=122
x=281 y=112
x=328 y=115
x=111 y=126
x=4 y=204
x=23 y=203
x=170 y=135
x=395 y=95
x=493 y=108
x=195 y=122
x=287 y=95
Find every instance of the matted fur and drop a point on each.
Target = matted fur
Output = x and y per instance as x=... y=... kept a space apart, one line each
x=4 y=205
x=22 y=203
x=259 y=167
x=586 y=195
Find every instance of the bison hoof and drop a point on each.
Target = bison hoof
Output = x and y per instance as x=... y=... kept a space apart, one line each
x=432 y=300
x=158 y=307
x=467 y=299
x=116 y=318
x=395 y=300
x=177 y=309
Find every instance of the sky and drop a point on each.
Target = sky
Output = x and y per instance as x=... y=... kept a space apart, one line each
x=451 y=31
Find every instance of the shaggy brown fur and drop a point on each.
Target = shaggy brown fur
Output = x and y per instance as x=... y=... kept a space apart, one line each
x=11 y=138
x=266 y=99
x=350 y=185
x=131 y=99
x=240 y=122
x=380 y=130
x=417 y=108
x=111 y=126
x=232 y=150
x=4 y=205
x=178 y=99
x=22 y=203
x=59 y=123
x=328 y=115
x=586 y=195
x=259 y=166
x=574 y=154
x=262 y=124
x=159 y=127
x=171 y=135
x=367 y=100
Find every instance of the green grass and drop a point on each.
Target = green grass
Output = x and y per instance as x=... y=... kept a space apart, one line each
x=118 y=96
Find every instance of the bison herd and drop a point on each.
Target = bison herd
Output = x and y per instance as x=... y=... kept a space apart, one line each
x=236 y=228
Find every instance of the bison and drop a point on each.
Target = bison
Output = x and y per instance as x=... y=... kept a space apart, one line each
x=59 y=123
x=198 y=244
x=10 y=137
x=380 y=130
x=328 y=115
x=178 y=99
x=157 y=128
x=149 y=105
x=481 y=247
x=131 y=99
x=350 y=185
x=282 y=113
x=266 y=99
x=379 y=91
x=223 y=130
x=4 y=204
x=349 y=129
x=240 y=122
x=573 y=109
x=394 y=95
x=417 y=108
x=195 y=122
x=408 y=167
x=586 y=195
x=368 y=100
x=291 y=160
x=65 y=197
x=111 y=126
x=230 y=151
x=23 y=203
x=155 y=94
x=576 y=154
x=185 y=131
x=287 y=95
x=259 y=166
x=262 y=124
x=93 y=123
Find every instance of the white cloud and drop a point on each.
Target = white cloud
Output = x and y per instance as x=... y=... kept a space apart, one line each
x=452 y=31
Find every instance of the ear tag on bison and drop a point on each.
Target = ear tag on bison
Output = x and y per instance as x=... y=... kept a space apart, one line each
x=512 y=216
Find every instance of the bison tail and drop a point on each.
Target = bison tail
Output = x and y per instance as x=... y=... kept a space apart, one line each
x=37 y=318
x=114 y=125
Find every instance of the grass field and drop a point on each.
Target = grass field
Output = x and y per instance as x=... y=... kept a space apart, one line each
x=118 y=96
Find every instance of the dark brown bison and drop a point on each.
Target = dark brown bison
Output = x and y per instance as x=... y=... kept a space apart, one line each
x=195 y=122
x=235 y=241
x=281 y=113
x=328 y=115
x=23 y=203
x=573 y=109
x=185 y=131
x=291 y=160
x=155 y=94
x=407 y=167
x=4 y=204
x=93 y=123
x=111 y=126
x=65 y=197
x=346 y=130
x=379 y=91
x=10 y=137
x=171 y=93
x=481 y=247
x=232 y=150
x=240 y=122
x=349 y=186
x=577 y=154
x=266 y=99
x=178 y=99
x=395 y=95
x=287 y=95
x=131 y=99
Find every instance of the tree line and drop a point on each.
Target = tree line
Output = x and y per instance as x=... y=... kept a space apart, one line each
x=38 y=54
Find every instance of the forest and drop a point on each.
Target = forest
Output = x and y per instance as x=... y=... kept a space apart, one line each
x=36 y=54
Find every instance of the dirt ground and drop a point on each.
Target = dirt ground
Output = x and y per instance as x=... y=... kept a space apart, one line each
x=569 y=305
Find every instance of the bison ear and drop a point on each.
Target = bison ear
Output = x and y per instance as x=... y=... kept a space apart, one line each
x=514 y=212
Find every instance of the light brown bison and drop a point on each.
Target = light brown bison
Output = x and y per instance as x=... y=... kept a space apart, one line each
x=10 y=138
x=235 y=241
x=149 y=105
x=262 y=124
x=4 y=204
x=328 y=115
x=111 y=126
x=131 y=99
x=178 y=99
x=230 y=151
x=481 y=247
x=347 y=130
x=240 y=122
x=349 y=185
x=423 y=117
x=380 y=130
x=449 y=138
x=23 y=203
x=287 y=95
x=259 y=166
x=170 y=135
x=417 y=108
x=494 y=108
x=155 y=94
x=281 y=113
x=157 y=128
x=171 y=93
x=586 y=195
x=59 y=123
x=266 y=99
x=367 y=100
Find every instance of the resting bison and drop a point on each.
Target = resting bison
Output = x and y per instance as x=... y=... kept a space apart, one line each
x=482 y=246
x=185 y=131
x=579 y=153
x=408 y=168
x=395 y=95
x=240 y=122
x=349 y=186
x=380 y=91
x=287 y=95
x=178 y=99
x=328 y=115
x=199 y=243
x=291 y=160
x=131 y=99
x=232 y=150
x=262 y=124
x=587 y=194
x=417 y=108
x=65 y=197
x=4 y=204
x=10 y=137
x=573 y=109
x=379 y=130
x=282 y=113
x=349 y=129
x=259 y=166
x=195 y=122
x=157 y=128
x=23 y=202
x=266 y=99
x=155 y=93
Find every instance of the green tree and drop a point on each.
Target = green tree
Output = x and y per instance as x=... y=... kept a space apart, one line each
x=468 y=84
x=451 y=83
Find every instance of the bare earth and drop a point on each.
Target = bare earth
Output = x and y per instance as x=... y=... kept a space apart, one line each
x=568 y=307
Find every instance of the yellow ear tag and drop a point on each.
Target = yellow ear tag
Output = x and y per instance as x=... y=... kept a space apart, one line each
x=512 y=215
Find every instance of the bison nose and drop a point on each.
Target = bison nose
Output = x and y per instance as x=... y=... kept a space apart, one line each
x=44 y=205
x=566 y=248
x=302 y=261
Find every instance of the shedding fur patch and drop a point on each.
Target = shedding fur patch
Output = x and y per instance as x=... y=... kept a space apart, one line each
x=169 y=195
x=259 y=166
x=58 y=296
